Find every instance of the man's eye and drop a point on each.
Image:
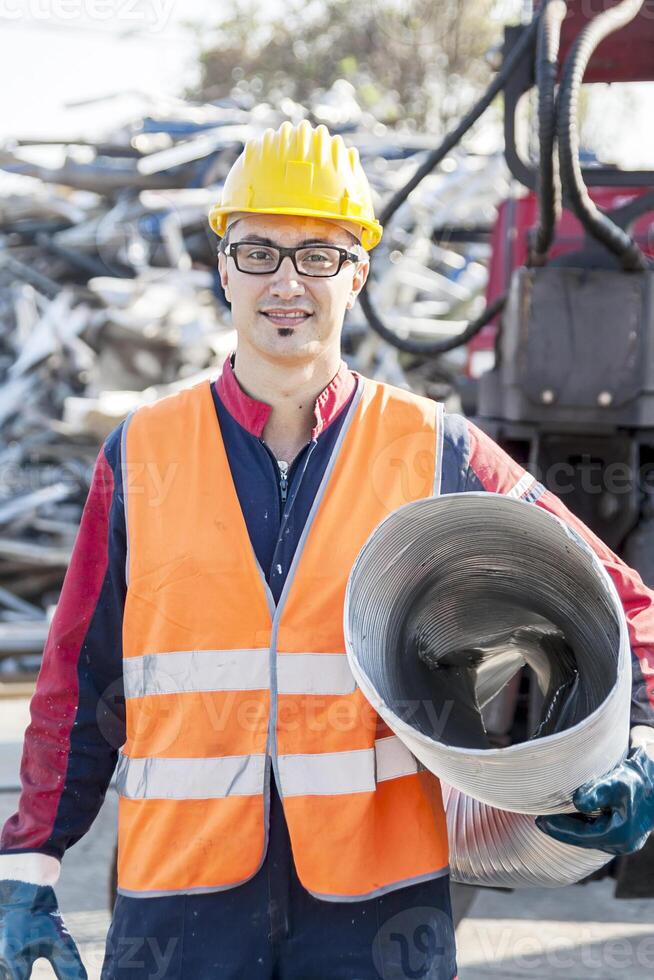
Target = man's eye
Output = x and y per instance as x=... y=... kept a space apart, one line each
x=318 y=257
x=259 y=255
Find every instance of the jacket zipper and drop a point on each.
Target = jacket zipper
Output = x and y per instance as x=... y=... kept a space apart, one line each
x=283 y=479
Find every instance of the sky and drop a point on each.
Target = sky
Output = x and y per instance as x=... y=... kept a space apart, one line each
x=54 y=52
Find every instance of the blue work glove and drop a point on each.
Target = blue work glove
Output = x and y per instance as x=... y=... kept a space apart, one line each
x=31 y=926
x=626 y=797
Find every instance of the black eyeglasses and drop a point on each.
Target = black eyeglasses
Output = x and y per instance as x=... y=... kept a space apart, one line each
x=309 y=260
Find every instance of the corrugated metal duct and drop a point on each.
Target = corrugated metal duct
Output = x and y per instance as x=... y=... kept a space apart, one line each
x=448 y=599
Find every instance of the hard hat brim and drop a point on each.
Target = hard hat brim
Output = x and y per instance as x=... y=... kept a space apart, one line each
x=372 y=230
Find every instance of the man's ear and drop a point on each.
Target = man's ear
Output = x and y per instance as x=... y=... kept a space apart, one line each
x=358 y=282
x=224 y=278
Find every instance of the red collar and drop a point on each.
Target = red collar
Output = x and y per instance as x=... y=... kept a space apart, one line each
x=252 y=414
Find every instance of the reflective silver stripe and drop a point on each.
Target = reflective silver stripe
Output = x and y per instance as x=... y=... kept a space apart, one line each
x=314 y=673
x=190 y=779
x=393 y=758
x=335 y=773
x=438 y=462
x=375 y=893
x=327 y=773
x=185 y=671
x=525 y=483
x=123 y=476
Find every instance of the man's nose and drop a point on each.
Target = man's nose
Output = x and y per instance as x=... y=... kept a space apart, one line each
x=286 y=281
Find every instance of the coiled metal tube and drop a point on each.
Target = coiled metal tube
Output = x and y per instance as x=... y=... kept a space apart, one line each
x=448 y=598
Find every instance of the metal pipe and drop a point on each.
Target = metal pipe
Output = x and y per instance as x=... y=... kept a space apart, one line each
x=447 y=600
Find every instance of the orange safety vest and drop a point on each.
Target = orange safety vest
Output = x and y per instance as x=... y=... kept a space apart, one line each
x=220 y=684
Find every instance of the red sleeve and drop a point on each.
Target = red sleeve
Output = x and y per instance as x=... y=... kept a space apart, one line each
x=68 y=757
x=491 y=468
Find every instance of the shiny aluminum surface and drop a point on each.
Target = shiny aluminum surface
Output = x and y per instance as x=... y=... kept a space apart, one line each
x=448 y=599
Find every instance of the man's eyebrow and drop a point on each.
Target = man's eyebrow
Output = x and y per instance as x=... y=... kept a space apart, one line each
x=306 y=241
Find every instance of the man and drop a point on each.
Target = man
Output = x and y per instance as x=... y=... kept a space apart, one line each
x=270 y=824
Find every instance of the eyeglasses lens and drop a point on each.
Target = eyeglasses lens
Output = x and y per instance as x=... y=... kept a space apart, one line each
x=320 y=260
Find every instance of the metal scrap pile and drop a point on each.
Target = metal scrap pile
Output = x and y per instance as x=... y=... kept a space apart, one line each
x=109 y=297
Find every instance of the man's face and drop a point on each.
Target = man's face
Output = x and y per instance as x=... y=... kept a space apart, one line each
x=255 y=298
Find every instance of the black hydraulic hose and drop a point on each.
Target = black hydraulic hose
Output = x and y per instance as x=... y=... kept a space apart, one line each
x=549 y=187
x=596 y=223
x=410 y=346
x=520 y=49
x=432 y=160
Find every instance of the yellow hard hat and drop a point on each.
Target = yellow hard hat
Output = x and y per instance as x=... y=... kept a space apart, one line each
x=299 y=170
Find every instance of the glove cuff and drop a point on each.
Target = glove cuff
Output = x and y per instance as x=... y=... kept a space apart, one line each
x=642 y=736
x=33 y=867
